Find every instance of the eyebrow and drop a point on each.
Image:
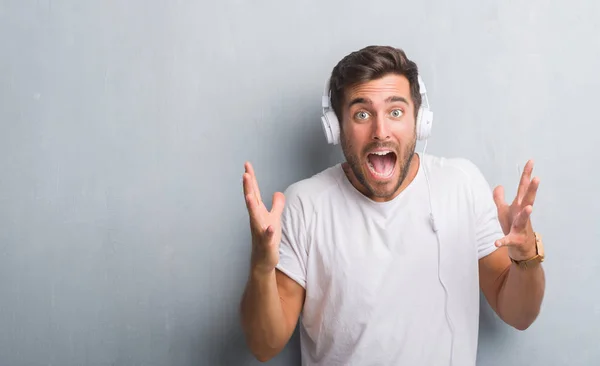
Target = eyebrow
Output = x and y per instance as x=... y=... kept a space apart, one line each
x=393 y=98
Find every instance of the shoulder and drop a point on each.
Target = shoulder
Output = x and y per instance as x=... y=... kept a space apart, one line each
x=313 y=187
x=463 y=180
x=306 y=193
x=457 y=175
x=452 y=168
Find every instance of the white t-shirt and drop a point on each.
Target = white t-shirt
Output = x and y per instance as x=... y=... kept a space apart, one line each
x=373 y=292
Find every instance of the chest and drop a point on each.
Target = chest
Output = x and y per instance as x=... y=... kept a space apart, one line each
x=372 y=257
x=372 y=254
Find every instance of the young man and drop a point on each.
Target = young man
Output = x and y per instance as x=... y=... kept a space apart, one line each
x=384 y=255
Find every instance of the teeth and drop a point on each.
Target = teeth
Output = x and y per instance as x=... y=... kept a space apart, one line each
x=381 y=152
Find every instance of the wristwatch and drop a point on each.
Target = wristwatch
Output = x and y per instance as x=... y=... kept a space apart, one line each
x=537 y=258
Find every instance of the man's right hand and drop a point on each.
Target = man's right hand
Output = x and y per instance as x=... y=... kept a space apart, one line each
x=265 y=225
x=272 y=301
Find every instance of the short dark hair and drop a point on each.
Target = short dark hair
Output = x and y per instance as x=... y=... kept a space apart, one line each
x=371 y=63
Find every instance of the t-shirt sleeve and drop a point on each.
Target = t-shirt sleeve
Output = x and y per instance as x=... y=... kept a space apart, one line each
x=293 y=252
x=487 y=227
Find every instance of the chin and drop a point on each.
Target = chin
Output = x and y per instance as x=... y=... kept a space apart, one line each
x=383 y=185
x=380 y=168
x=384 y=172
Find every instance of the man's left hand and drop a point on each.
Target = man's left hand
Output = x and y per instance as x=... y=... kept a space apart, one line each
x=515 y=219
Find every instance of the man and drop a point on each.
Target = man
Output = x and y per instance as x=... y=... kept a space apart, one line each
x=383 y=256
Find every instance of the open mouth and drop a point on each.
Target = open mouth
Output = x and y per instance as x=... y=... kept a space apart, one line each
x=382 y=163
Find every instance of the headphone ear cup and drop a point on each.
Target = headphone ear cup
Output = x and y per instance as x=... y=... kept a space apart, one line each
x=331 y=127
x=424 y=123
x=418 y=123
x=326 y=129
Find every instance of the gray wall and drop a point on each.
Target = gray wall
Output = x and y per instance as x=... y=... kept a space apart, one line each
x=125 y=125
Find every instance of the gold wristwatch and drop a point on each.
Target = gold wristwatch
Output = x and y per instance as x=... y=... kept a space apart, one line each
x=537 y=258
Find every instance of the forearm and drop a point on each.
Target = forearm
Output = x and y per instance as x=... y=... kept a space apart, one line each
x=263 y=319
x=521 y=295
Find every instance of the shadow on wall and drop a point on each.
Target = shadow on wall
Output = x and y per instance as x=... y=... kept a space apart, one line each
x=488 y=326
x=492 y=329
x=300 y=148
x=297 y=149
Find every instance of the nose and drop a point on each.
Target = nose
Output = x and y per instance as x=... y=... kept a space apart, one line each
x=381 y=130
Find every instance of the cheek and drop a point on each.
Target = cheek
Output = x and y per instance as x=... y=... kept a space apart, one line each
x=404 y=131
x=350 y=134
x=359 y=133
x=404 y=126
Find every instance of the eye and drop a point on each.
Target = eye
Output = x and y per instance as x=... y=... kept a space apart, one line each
x=397 y=113
x=361 y=115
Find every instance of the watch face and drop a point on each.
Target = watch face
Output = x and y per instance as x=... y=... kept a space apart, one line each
x=539 y=245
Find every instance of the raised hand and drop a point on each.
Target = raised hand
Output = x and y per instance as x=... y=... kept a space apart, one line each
x=265 y=225
x=515 y=219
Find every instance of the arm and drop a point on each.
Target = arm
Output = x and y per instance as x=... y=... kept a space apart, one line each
x=271 y=303
x=514 y=293
x=270 y=308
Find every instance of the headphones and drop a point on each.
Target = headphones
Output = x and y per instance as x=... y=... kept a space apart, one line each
x=331 y=125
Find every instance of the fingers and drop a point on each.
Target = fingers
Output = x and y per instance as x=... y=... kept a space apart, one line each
x=512 y=240
x=518 y=233
x=278 y=204
x=250 y=170
x=252 y=204
x=529 y=197
x=506 y=241
x=247 y=184
x=249 y=190
x=270 y=231
x=269 y=234
x=499 y=197
x=525 y=180
x=521 y=220
x=260 y=218
x=256 y=218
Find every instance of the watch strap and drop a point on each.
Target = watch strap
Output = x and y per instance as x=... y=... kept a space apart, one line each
x=537 y=258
